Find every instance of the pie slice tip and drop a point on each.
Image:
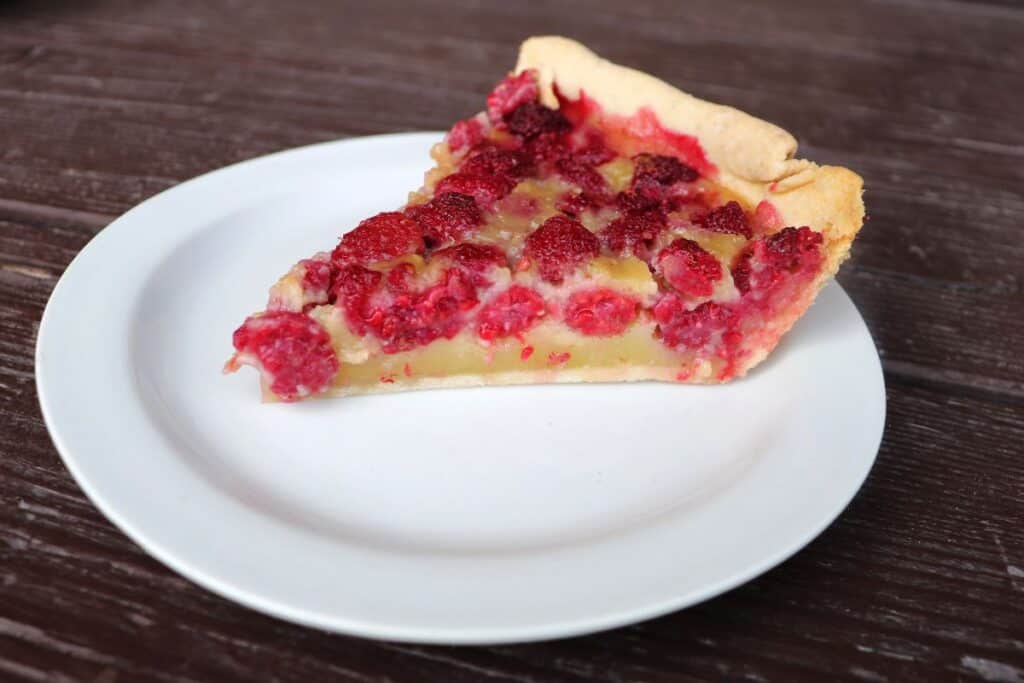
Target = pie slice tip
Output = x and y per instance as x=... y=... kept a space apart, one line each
x=593 y=223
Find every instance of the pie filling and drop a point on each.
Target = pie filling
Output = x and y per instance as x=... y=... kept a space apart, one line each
x=546 y=245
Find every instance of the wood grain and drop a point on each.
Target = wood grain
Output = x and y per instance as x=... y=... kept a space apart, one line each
x=103 y=104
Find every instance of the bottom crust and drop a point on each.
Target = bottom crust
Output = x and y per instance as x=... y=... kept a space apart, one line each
x=512 y=378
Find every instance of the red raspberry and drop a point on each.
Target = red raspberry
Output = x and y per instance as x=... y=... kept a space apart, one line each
x=653 y=178
x=766 y=218
x=661 y=170
x=380 y=238
x=497 y=162
x=417 y=320
x=317 y=279
x=446 y=217
x=768 y=261
x=474 y=260
x=728 y=218
x=634 y=233
x=707 y=324
x=292 y=349
x=575 y=203
x=688 y=268
x=791 y=248
x=600 y=312
x=741 y=271
x=484 y=189
x=510 y=93
x=584 y=175
x=466 y=134
x=510 y=313
x=475 y=257
x=559 y=246
x=637 y=203
x=400 y=278
x=546 y=147
x=530 y=119
x=353 y=289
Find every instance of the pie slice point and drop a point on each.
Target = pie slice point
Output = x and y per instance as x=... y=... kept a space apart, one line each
x=592 y=224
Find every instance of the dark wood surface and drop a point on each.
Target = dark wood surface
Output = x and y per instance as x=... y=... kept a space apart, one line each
x=103 y=104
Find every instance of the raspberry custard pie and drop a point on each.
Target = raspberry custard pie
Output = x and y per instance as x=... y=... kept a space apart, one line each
x=593 y=224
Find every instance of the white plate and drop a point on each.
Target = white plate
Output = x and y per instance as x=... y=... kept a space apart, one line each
x=459 y=516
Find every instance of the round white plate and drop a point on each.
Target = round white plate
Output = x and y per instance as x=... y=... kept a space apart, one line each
x=459 y=516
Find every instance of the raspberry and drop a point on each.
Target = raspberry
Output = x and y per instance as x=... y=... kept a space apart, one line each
x=510 y=313
x=484 y=189
x=578 y=172
x=499 y=162
x=791 y=248
x=475 y=257
x=510 y=93
x=589 y=147
x=768 y=261
x=546 y=147
x=600 y=312
x=530 y=119
x=446 y=217
x=688 y=268
x=741 y=271
x=317 y=279
x=380 y=238
x=661 y=170
x=466 y=134
x=653 y=178
x=292 y=349
x=418 y=319
x=766 y=218
x=728 y=218
x=474 y=260
x=353 y=288
x=637 y=203
x=697 y=328
x=634 y=233
x=400 y=278
x=559 y=246
x=575 y=203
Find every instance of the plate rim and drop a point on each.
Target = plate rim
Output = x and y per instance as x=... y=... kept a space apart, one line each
x=338 y=623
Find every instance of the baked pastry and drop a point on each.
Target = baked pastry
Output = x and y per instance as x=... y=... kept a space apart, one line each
x=593 y=224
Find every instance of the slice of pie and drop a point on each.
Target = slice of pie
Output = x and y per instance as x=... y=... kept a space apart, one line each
x=593 y=224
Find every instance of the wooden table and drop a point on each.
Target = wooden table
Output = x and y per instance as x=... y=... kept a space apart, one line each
x=103 y=104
